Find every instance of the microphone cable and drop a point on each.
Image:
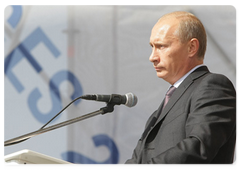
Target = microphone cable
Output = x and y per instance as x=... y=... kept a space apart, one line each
x=61 y=111
x=49 y=120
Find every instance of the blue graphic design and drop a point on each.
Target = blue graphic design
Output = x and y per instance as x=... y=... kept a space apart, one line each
x=99 y=140
x=23 y=50
x=14 y=19
x=10 y=61
x=61 y=76
x=16 y=15
x=54 y=84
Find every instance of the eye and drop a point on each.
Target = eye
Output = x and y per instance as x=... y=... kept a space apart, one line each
x=162 y=46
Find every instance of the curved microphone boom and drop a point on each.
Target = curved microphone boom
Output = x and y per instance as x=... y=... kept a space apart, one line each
x=128 y=99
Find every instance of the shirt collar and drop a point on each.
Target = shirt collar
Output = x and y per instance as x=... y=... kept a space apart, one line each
x=177 y=84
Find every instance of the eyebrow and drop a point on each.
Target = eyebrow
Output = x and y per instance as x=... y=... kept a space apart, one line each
x=158 y=43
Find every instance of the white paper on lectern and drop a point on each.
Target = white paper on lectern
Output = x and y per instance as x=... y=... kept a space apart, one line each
x=30 y=157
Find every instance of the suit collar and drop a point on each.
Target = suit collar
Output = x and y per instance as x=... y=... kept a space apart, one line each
x=177 y=84
x=199 y=72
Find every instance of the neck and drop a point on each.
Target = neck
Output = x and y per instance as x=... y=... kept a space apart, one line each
x=178 y=82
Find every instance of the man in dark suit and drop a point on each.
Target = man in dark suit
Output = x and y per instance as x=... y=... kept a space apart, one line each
x=198 y=123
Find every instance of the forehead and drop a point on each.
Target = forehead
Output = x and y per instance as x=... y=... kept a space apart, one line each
x=165 y=30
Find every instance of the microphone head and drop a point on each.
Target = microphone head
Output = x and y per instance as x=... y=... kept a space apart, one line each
x=131 y=100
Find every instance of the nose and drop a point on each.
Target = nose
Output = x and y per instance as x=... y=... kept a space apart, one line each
x=154 y=57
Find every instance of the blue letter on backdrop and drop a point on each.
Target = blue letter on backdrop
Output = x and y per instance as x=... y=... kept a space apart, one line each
x=54 y=84
x=16 y=15
x=23 y=50
x=99 y=140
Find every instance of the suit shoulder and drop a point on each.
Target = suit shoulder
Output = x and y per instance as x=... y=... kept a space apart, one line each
x=216 y=84
x=217 y=79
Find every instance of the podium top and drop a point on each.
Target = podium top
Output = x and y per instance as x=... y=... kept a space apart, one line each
x=30 y=157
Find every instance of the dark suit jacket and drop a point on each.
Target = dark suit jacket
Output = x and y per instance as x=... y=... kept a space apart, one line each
x=198 y=125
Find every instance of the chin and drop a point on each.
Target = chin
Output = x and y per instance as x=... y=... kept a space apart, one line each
x=160 y=75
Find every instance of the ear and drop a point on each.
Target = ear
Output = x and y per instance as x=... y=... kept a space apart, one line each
x=193 y=47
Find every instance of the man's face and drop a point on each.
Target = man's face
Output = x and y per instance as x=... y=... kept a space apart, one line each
x=169 y=56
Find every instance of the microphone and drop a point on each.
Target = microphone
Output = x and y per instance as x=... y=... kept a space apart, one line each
x=128 y=99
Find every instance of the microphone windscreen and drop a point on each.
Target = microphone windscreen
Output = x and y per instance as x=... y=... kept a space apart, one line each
x=131 y=100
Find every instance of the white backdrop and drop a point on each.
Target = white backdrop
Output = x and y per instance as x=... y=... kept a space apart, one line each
x=54 y=54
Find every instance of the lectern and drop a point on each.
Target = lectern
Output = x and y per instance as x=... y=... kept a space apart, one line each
x=31 y=157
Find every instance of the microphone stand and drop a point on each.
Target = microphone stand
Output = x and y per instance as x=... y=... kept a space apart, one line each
x=109 y=108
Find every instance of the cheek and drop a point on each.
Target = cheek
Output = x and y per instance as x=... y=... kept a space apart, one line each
x=171 y=63
x=177 y=56
x=165 y=57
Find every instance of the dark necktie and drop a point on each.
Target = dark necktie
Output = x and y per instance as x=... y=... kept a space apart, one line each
x=168 y=95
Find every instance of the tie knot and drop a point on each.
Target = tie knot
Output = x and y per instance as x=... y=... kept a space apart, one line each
x=170 y=91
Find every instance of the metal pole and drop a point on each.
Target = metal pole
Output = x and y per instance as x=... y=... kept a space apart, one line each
x=40 y=131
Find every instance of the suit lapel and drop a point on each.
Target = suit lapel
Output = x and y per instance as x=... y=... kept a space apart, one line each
x=180 y=91
x=152 y=121
x=175 y=97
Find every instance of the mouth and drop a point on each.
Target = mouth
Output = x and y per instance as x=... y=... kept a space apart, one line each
x=158 y=68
